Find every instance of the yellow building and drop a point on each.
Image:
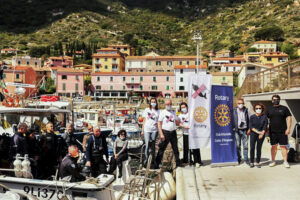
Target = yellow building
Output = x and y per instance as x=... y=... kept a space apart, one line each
x=298 y=51
x=123 y=48
x=265 y=46
x=222 y=78
x=108 y=60
x=274 y=59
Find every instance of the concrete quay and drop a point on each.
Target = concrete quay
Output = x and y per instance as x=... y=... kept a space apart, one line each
x=239 y=182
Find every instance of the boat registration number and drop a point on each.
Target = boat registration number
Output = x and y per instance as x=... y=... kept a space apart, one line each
x=46 y=193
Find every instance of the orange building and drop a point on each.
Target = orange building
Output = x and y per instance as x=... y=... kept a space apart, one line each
x=21 y=75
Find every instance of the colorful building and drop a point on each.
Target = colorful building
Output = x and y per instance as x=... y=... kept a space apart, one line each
x=59 y=62
x=9 y=50
x=265 y=46
x=123 y=84
x=20 y=75
x=70 y=82
x=26 y=61
x=224 y=54
x=42 y=73
x=231 y=67
x=217 y=63
x=123 y=48
x=108 y=60
x=273 y=58
x=222 y=78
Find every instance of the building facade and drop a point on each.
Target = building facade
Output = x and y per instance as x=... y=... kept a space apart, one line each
x=123 y=48
x=108 y=60
x=273 y=58
x=265 y=46
x=70 y=82
x=26 y=61
x=59 y=62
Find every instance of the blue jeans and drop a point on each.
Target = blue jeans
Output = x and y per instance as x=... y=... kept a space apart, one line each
x=241 y=137
x=150 y=138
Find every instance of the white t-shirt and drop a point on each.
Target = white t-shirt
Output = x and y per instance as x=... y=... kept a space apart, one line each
x=151 y=116
x=184 y=119
x=168 y=119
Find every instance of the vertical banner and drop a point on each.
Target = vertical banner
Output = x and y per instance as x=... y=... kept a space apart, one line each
x=223 y=146
x=199 y=93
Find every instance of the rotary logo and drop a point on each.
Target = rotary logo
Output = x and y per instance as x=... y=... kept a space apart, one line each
x=222 y=115
x=200 y=114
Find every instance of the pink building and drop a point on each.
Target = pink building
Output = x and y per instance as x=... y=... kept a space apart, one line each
x=120 y=85
x=70 y=82
x=59 y=62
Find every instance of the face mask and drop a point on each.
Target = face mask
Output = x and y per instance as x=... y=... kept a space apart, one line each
x=153 y=105
x=276 y=102
x=258 y=111
x=183 y=110
x=241 y=106
x=169 y=107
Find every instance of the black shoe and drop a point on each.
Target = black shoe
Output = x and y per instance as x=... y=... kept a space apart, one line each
x=258 y=166
x=120 y=176
x=201 y=163
x=251 y=165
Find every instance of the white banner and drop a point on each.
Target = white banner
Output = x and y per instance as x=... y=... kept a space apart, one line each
x=199 y=111
x=21 y=85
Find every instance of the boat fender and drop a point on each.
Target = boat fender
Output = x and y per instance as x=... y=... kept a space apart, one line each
x=18 y=166
x=26 y=169
x=167 y=189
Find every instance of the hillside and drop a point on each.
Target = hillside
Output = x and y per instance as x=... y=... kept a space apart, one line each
x=165 y=26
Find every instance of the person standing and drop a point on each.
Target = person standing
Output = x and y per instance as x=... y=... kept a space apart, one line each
x=280 y=125
x=69 y=165
x=50 y=153
x=34 y=149
x=120 y=153
x=240 y=127
x=95 y=151
x=19 y=144
x=167 y=129
x=68 y=139
x=87 y=136
x=257 y=127
x=150 y=128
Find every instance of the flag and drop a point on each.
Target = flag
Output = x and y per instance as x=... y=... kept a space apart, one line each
x=199 y=111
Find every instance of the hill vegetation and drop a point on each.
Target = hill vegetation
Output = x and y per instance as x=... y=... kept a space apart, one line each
x=164 y=26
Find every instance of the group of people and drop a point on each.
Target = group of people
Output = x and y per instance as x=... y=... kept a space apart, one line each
x=49 y=152
x=163 y=123
x=276 y=121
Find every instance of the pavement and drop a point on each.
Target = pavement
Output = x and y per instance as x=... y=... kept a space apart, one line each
x=239 y=182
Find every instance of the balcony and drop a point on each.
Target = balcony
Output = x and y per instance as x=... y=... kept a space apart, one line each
x=133 y=82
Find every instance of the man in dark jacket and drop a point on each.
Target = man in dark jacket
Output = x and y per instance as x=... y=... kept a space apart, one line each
x=50 y=152
x=68 y=139
x=95 y=150
x=241 y=117
x=19 y=145
x=69 y=165
x=34 y=150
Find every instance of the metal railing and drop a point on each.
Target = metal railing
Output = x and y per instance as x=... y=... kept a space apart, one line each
x=278 y=78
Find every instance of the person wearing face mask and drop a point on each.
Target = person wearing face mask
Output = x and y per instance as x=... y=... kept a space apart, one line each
x=150 y=129
x=240 y=127
x=258 y=126
x=279 y=128
x=167 y=129
x=120 y=153
x=184 y=124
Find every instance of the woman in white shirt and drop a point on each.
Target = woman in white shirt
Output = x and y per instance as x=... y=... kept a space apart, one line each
x=149 y=130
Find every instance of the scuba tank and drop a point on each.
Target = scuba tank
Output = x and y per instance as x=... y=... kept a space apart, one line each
x=26 y=169
x=18 y=166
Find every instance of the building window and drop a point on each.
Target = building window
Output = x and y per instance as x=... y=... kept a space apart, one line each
x=105 y=59
x=77 y=78
x=149 y=63
x=250 y=68
x=181 y=87
x=97 y=60
x=17 y=76
x=154 y=87
x=167 y=79
x=124 y=88
x=132 y=80
x=111 y=79
x=234 y=69
x=111 y=87
x=132 y=87
x=27 y=63
x=167 y=87
x=4 y=76
x=154 y=79
x=141 y=78
x=269 y=59
x=158 y=63
x=98 y=87
x=19 y=62
x=76 y=86
x=181 y=79
x=35 y=63
x=64 y=86
x=224 y=78
x=187 y=62
x=98 y=78
x=124 y=78
x=106 y=67
x=181 y=71
x=125 y=48
x=141 y=87
x=226 y=69
x=180 y=62
x=169 y=63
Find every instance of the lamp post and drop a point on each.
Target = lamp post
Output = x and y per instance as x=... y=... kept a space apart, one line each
x=198 y=37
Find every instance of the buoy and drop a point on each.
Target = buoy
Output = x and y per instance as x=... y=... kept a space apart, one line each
x=167 y=189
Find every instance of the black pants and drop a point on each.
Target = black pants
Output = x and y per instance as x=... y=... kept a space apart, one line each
x=98 y=166
x=197 y=156
x=170 y=136
x=186 y=150
x=117 y=162
x=47 y=166
x=254 y=139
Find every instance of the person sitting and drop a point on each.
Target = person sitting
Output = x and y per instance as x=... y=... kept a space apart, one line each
x=69 y=167
x=120 y=153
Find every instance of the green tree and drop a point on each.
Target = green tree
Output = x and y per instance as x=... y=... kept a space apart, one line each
x=269 y=33
x=289 y=49
x=252 y=49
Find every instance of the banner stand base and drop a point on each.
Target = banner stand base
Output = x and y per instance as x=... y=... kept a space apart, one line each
x=226 y=164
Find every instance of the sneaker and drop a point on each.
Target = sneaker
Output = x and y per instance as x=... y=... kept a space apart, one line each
x=251 y=165
x=197 y=165
x=258 y=165
x=286 y=164
x=272 y=164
